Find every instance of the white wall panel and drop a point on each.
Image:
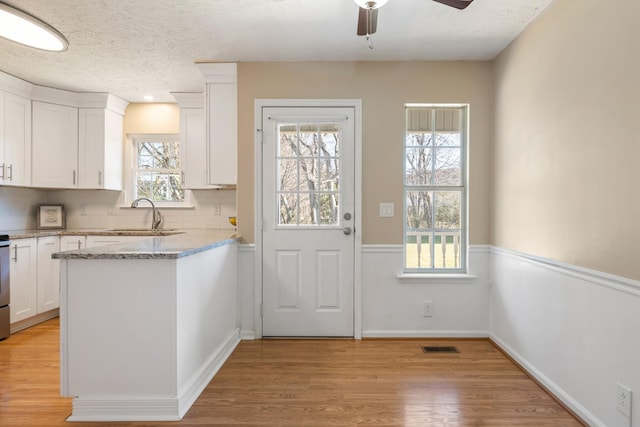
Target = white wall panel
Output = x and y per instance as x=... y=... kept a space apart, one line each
x=393 y=307
x=576 y=330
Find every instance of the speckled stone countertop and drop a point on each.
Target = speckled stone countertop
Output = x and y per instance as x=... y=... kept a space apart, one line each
x=28 y=234
x=177 y=245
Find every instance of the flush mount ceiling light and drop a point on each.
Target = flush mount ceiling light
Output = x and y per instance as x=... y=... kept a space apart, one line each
x=21 y=27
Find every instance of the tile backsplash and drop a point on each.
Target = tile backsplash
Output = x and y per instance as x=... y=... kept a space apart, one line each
x=102 y=209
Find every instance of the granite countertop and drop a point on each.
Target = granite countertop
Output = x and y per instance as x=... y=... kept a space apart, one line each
x=177 y=245
x=31 y=233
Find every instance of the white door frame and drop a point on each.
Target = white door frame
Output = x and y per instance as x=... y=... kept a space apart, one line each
x=356 y=104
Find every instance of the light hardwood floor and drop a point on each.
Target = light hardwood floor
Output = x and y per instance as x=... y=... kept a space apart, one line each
x=310 y=383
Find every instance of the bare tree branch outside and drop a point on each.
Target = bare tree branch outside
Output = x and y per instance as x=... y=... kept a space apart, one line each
x=309 y=174
x=434 y=187
x=158 y=174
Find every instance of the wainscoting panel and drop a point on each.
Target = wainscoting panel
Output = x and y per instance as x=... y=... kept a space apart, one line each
x=575 y=330
x=247 y=304
x=393 y=305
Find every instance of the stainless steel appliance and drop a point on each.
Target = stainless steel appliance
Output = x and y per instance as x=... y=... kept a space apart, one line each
x=4 y=286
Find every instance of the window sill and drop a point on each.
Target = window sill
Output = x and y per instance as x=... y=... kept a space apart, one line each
x=436 y=278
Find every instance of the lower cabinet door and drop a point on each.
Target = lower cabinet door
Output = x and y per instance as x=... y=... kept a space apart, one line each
x=48 y=278
x=23 y=279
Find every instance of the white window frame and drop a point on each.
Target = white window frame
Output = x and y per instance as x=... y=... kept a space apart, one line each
x=130 y=171
x=461 y=271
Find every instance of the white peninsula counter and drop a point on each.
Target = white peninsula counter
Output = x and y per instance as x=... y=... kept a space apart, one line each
x=145 y=325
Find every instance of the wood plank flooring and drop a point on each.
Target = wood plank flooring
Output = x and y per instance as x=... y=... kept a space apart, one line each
x=310 y=383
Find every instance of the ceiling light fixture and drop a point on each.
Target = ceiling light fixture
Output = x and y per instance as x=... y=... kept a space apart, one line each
x=148 y=98
x=21 y=27
x=368 y=18
x=370 y=4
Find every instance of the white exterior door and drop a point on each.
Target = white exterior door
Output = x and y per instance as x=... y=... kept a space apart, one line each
x=308 y=221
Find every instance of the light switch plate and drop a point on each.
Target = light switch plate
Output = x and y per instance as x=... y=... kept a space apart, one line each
x=386 y=209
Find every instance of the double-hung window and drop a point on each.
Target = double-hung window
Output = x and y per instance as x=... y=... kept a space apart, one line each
x=156 y=169
x=435 y=188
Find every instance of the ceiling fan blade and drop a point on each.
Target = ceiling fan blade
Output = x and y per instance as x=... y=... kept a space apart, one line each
x=458 y=4
x=367 y=21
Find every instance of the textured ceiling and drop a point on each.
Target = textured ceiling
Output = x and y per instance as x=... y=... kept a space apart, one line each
x=133 y=48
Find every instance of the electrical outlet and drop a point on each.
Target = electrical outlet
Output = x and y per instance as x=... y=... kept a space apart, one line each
x=217 y=209
x=83 y=209
x=427 y=309
x=623 y=400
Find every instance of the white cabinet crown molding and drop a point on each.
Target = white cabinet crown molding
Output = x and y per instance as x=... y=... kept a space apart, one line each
x=189 y=99
x=15 y=85
x=219 y=72
x=68 y=98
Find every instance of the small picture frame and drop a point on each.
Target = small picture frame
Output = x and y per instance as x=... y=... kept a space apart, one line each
x=50 y=217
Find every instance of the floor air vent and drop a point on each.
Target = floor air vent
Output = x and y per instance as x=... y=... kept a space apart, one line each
x=438 y=349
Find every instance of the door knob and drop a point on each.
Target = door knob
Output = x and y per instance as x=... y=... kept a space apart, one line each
x=346 y=230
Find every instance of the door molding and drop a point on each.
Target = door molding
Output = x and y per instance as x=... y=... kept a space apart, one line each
x=356 y=104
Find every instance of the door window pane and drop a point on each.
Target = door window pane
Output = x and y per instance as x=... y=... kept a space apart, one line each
x=308 y=165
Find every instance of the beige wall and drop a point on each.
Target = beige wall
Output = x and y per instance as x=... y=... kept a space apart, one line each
x=384 y=88
x=152 y=118
x=567 y=125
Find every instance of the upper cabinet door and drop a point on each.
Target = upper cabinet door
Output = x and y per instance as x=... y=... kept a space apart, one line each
x=193 y=148
x=221 y=82
x=222 y=133
x=55 y=146
x=15 y=156
x=100 y=149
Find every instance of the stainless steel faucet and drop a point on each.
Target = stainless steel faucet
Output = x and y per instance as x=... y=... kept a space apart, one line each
x=157 y=217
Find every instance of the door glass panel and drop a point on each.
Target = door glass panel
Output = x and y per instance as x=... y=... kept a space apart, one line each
x=308 y=174
x=329 y=139
x=288 y=174
x=288 y=141
x=288 y=204
x=308 y=165
x=329 y=203
x=308 y=209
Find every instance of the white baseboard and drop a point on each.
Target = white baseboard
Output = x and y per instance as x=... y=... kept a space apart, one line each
x=32 y=321
x=551 y=386
x=208 y=371
x=154 y=408
x=247 y=335
x=425 y=334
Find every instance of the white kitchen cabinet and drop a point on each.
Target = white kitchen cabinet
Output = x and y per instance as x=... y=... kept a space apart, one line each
x=15 y=140
x=193 y=141
x=71 y=243
x=23 y=270
x=100 y=149
x=181 y=313
x=55 y=146
x=221 y=106
x=48 y=276
x=193 y=149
